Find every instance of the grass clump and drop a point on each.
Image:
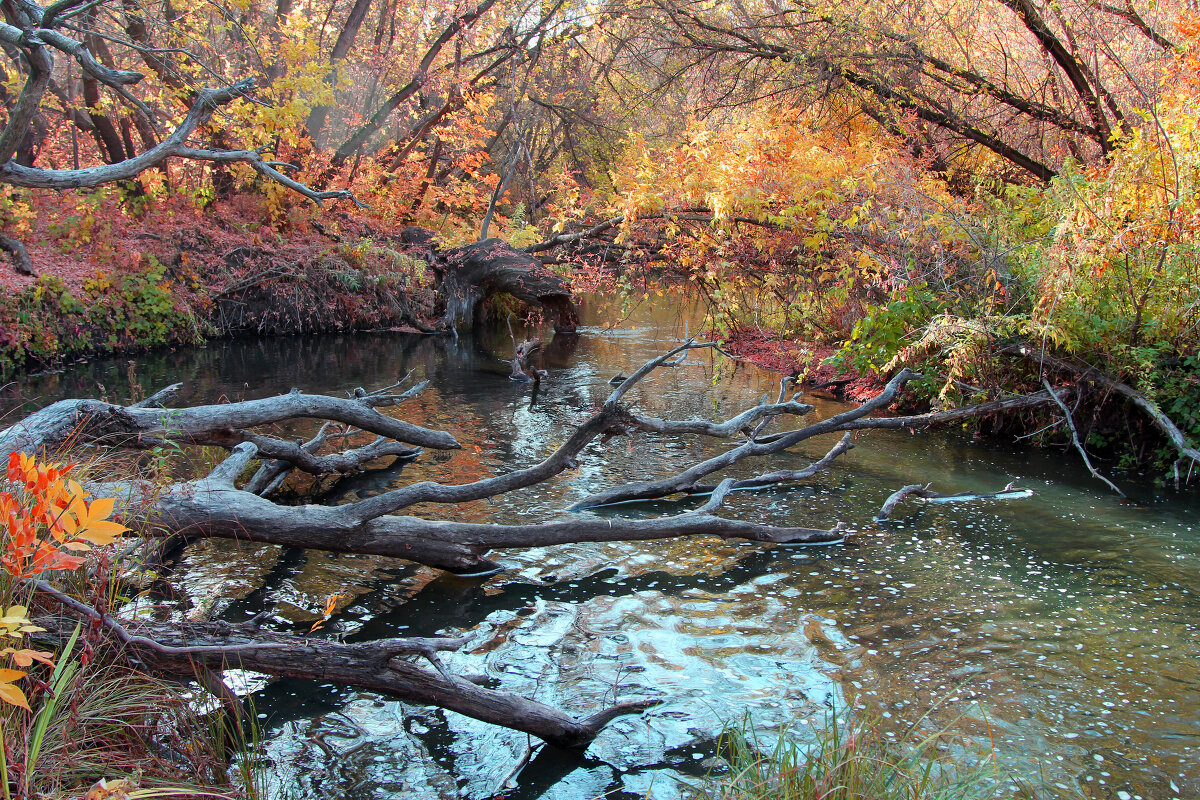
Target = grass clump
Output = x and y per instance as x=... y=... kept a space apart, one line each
x=850 y=760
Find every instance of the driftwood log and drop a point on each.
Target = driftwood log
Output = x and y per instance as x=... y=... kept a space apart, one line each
x=217 y=505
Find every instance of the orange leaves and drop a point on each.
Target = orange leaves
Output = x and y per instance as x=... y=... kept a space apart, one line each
x=9 y=693
x=331 y=603
x=111 y=790
x=47 y=517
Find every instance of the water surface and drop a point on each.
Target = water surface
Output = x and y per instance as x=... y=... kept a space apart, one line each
x=1059 y=630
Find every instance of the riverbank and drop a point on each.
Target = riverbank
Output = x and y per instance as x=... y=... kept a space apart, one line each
x=1118 y=428
x=809 y=362
x=109 y=281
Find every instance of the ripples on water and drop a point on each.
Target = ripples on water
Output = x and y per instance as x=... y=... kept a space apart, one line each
x=1060 y=629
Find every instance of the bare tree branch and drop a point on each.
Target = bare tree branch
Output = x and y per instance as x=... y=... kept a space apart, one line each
x=1009 y=492
x=1070 y=418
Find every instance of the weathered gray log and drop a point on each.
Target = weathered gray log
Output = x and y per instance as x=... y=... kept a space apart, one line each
x=740 y=424
x=783 y=475
x=611 y=418
x=931 y=419
x=160 y=398
x=214 y=507
x=561 y=239
x=95 y=422
x=20 y=255
x=271 y=474
x=377 y=666
x=688 y=479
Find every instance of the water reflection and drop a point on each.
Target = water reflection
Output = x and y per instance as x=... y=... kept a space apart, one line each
x=1060 y=628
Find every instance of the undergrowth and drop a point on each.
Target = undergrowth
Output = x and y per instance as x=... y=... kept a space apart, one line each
x=82 y=721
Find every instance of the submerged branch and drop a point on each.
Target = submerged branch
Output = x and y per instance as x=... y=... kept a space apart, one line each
x=1009 y=492
x=377 y=666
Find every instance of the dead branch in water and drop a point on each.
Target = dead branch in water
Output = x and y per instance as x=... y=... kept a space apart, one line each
x=216 y=506
x=923 y=492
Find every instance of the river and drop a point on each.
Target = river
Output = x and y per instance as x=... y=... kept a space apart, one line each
x=1058 y=631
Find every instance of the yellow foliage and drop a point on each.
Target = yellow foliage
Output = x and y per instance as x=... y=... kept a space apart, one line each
x=789 y=224
x=1120 y=266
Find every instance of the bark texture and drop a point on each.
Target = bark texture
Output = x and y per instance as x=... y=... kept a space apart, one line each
x=382 y=666
x=474 y=272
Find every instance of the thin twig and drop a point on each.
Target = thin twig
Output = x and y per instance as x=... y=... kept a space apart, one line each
x=1087 y=462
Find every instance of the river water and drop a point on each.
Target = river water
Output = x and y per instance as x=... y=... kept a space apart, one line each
x=1058 y=633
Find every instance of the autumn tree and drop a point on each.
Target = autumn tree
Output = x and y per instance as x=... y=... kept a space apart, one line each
x=1032 y=83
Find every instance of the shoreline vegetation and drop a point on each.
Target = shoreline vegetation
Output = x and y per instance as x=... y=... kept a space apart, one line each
x=820 y=248
x=857 y=757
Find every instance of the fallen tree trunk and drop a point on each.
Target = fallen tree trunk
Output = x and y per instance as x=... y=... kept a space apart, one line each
x=92 y=422
x=215 y=507
x=19 y=253
x=687 y=479
x=378 y=666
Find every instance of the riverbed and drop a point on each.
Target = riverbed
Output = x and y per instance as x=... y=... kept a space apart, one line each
x=1058 y=632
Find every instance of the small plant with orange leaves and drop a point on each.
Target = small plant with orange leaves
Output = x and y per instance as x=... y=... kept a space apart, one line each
x=49 y=522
